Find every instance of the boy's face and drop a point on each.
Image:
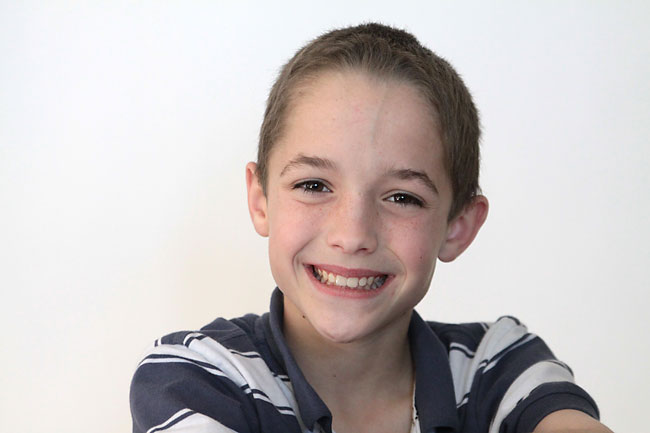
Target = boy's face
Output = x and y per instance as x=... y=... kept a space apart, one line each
x=357 y=189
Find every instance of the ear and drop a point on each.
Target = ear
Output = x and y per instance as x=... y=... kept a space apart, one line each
x=462 y=230
x=257 y=206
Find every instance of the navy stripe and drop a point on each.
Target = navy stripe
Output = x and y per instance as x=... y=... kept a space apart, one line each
x=193 y=361
x=256 y=391
x=514 y=319
x=463 y=350
x=197 y=337
x=561 y=364
x=246 y=355
x=467 y=334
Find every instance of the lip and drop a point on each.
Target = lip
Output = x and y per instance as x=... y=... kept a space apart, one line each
x=346 y=292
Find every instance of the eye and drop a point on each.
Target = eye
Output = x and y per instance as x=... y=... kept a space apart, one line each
x=404 y=199
x=312 y=186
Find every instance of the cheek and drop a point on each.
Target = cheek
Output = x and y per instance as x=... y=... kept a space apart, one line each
x=291 y=226
x=417 y=243
x=285 y=238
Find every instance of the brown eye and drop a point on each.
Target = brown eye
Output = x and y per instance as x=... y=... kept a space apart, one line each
x=404 y=199
x=312 y=186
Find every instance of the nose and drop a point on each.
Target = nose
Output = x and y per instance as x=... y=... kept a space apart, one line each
x=353 y=226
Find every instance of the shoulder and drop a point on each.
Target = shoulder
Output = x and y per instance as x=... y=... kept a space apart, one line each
x=219 y=348
x=489 y=342
x=505 y=375
x=241 y=332
x=216 y=375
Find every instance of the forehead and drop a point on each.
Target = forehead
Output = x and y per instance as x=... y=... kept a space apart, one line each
x=355 y=111
x=341 y=87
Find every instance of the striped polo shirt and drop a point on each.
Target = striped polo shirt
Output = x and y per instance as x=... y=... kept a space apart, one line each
x=239 y=376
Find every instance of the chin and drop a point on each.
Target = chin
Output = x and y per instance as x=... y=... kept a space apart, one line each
x=338 y=333
x=341 y=333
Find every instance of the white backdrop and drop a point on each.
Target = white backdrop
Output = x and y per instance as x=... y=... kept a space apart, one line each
x=124 y=130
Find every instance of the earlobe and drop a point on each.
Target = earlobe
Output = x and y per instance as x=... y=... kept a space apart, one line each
x=257 y=206
x=463 y=228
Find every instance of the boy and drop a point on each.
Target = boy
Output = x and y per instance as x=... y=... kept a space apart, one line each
x=367 y=173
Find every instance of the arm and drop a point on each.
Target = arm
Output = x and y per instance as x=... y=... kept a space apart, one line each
x=570 y=421
x=174 y=390
x=523 y=384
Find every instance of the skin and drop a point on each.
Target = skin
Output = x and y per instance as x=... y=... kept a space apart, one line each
x=356 y=185
x=570 y=421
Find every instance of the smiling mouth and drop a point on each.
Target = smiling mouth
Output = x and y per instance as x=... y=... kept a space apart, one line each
x=369 y=282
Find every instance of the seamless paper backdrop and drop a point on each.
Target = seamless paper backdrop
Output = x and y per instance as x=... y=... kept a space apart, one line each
x=124 y=130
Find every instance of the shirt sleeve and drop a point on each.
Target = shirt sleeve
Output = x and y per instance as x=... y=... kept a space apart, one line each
x=545 y=399
x=516 y=381
x=175 y=390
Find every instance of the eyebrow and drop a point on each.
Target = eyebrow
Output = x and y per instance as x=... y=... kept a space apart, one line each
x=400 y=173
x=312 y=161
x=408 y=174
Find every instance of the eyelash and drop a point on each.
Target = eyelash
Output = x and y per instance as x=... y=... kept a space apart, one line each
x=312 y=186
x=315 y=186
x=404 y=199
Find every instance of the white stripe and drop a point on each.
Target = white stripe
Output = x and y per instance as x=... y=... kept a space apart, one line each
x=538 y=374
x=171 y=419
x=249 y=373
x=462 y=347
x=498 y=337
x=459 y=364
x=179 y=350
x=246 y=371
x=195 y=423
x=191 y=335
x=236 y=352
x=174 y=350
x=287 y=411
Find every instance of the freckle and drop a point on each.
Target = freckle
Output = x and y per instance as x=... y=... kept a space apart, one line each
x=303 y=316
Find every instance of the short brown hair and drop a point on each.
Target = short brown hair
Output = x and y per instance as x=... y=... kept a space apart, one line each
x=389 y=53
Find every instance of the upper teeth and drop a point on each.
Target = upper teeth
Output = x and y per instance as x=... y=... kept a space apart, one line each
x=367 y=283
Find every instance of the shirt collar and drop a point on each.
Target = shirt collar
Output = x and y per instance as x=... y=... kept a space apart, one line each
x=312 y=408
x=434 y=389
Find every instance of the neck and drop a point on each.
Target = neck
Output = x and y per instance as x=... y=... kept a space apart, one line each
x=342 y=372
